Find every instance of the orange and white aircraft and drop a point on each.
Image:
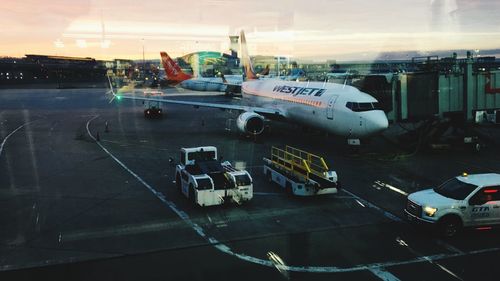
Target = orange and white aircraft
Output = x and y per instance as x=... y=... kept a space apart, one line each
x=176 y=76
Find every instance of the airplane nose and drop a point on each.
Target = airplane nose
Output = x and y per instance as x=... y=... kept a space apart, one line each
x=377 y=123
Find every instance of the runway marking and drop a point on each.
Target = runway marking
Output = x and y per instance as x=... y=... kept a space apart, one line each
x=308 y=269
x=403 y=243
x=448 y=246
x=370 y=205
x=393 y=188
x=359 y=202
x=11 y=133
x=418 y=254
x=384 y=275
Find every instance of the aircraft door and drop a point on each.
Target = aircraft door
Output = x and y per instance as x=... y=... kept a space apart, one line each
x=330 y=107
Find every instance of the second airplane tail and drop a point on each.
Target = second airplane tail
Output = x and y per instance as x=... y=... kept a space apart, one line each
x=248 y=72
x=172 y=69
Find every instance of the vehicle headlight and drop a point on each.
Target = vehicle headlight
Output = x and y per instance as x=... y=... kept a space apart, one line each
x=429 y=211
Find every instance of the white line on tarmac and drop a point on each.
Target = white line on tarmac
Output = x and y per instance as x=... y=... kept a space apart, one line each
x=396 y=189
x=383 y=274
x=442 y=268
x=448 y=246
x=359 y=202
x=370 y=205
x=402 y=243
x=11 y=133
x=393 y=188
x=311 y=269
x=439 y=242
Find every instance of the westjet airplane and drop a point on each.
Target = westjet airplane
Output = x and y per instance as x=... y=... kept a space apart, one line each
x=335 y=108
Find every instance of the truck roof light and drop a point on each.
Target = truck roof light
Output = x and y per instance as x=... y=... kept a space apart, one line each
x=464 y=174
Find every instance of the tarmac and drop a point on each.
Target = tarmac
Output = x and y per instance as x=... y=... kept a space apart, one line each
x=74 y=208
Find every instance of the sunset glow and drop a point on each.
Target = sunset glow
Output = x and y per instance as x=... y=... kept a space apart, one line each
x=120 y=29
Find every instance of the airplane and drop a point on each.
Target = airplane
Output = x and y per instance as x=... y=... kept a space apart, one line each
x=176 y=76
x=335 y=108
x=230 y=84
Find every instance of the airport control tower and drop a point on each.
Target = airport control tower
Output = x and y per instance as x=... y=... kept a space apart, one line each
x=234 y=45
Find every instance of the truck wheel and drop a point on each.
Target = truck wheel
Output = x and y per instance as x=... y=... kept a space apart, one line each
x=191 y=194
x=449 y=226
x=288 y=188
x=476 y=147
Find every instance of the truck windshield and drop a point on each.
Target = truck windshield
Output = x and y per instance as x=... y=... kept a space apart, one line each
x=455 y=189
x=201 y=155
x=204 y=184
x=242 y=180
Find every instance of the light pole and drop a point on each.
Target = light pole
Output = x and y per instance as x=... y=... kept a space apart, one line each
x=143 y=61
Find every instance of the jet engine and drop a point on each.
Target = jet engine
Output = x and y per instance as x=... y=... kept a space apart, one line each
x=250 y=123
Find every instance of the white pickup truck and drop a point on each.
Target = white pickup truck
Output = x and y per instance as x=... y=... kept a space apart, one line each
x=207 y=181
x=463 y=201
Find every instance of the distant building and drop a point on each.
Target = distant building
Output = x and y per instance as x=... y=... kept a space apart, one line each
x=208 y=63
x=51 y=69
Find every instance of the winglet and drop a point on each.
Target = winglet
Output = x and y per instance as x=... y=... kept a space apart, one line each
x=172 y=69
x=265 y=71
x=111 y=90
x=248 y=72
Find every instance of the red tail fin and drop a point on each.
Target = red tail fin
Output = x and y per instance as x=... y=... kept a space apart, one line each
x=172 y=69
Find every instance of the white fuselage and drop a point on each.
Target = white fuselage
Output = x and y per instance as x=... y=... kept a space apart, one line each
x=318 y=104
x=213 y=84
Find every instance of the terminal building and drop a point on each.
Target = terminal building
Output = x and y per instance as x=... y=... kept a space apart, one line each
x=209 y=64
x=437 y=88
x=52 y=69
x=61 y=70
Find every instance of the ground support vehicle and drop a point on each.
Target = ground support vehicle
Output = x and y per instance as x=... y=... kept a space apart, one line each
x=300 y=173
x=152 y=109
x=205 y=180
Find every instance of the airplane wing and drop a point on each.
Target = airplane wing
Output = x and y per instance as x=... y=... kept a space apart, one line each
x=262 y=110
x=269 y=112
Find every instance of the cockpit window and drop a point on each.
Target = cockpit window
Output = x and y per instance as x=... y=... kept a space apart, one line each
x=362 y=106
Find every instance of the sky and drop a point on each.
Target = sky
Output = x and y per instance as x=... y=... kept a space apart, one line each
x=349 y=29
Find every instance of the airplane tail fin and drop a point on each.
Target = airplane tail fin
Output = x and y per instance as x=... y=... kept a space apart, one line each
x=248 y=72
x=172 y=69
